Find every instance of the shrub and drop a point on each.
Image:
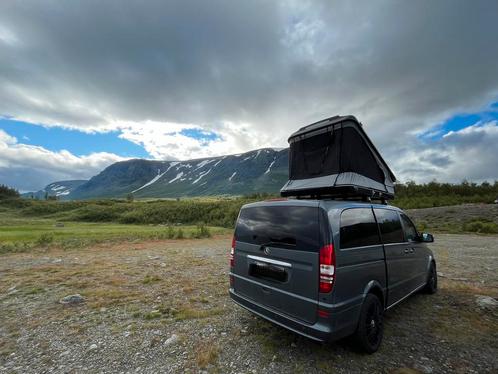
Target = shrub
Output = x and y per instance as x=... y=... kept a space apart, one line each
x=8 y=193
x=201 y=232
x=179 y=234
x=170 y=232
x=44 y=239
x=481 y=226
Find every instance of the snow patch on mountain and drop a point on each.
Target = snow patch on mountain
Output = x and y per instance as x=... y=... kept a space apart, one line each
x=178 y=176
x=171 y=164
x=202 y=174
x=269 y=167
x=202 y=164
x=153 y=180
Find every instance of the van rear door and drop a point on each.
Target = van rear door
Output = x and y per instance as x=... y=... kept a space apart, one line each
x=277 y=258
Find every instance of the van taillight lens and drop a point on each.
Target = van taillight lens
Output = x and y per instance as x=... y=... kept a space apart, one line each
x=327 y=268
x=232 y=253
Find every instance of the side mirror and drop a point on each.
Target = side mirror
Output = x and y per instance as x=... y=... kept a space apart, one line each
x=426 y=237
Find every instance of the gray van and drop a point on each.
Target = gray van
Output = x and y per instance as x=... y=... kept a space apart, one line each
x=327 y=269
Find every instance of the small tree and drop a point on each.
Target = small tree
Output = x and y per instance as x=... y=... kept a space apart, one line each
x=130 y=197
x=8 y=193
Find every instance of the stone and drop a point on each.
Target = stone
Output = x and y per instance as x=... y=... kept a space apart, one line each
x=486 y=302
x=72 y=299
x=424 y=368
x=171 y=340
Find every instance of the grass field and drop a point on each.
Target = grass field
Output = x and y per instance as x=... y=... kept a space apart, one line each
x=19 y=234
x=28 y=224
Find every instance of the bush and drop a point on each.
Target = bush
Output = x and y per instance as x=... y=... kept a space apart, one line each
x=8 y=193
x=170 y=232
x=201 y=232
x=223 y=212
x=96 y=213
x=413 y=196
x=17 y=247
x=179 y=234
x=45 y=240
x=481 y=226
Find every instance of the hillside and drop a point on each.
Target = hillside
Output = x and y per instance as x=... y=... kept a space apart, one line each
x=263 y=170
x=60 y=189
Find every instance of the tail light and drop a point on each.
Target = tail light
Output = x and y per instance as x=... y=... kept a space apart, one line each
x=327 y=268
x=232 y=253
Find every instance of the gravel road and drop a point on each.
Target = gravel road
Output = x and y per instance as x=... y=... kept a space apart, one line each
x=163 y=307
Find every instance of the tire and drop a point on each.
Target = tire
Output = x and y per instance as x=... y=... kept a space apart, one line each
x=370 y=330
x=431 y=285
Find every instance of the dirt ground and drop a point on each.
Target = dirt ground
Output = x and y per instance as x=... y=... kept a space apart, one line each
x=163 y=307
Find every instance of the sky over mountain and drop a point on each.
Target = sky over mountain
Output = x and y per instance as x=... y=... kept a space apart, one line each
x=83 y=85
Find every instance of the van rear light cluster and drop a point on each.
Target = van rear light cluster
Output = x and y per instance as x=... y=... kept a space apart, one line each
x=327 y=268
x=232 y=253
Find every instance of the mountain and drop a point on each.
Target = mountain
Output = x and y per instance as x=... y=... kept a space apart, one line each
x=263 y=170
x=61 y=190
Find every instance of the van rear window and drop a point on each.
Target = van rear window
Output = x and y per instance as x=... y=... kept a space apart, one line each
x=292 y=227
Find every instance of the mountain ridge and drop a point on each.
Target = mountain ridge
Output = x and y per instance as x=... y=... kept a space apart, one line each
x=257 y=171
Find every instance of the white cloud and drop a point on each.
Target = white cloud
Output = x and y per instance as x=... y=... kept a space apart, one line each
x=469 y=153
x=251 y=72
x=6 y=139
x=165 y=140
x=30 y=167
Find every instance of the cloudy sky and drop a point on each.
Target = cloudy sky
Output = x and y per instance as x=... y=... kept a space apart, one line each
x=86 y=83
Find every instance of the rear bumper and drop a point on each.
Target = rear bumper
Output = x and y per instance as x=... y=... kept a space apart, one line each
x=320 y=331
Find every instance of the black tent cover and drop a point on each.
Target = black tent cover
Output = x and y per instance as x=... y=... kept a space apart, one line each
x=335 y=157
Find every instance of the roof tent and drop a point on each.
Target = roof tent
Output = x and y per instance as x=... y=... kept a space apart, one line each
x=336 y=158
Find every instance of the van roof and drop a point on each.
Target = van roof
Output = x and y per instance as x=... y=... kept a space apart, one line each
x=327 y=204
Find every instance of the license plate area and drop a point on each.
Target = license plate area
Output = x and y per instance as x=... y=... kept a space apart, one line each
x=268 y=271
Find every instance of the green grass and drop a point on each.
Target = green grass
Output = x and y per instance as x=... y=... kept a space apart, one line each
x=25 y=224
x=215 y=212
x=22 y=234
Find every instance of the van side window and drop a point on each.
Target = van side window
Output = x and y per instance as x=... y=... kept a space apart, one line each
x=358 y=228
x=390 y=226
x=408 y=228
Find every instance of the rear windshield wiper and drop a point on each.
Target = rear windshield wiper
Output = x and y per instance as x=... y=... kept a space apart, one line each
x=277 y=243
